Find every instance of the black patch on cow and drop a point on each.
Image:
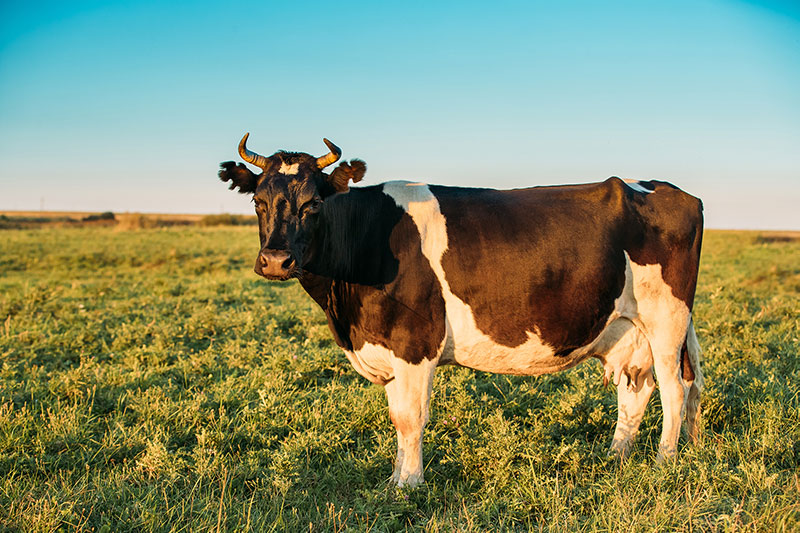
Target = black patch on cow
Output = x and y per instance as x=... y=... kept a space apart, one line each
x=351 y=242
x=666 y=227
x=551 y=259
x=545 y=259
x=370 y=276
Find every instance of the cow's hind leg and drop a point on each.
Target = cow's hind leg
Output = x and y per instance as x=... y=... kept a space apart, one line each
x=693 y=376
x=630 y=362
x=674 y=392
x=409 y=396
x=665 y=321
x=631 y=403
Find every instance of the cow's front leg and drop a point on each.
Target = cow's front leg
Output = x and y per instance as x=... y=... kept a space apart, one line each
x=409 y=395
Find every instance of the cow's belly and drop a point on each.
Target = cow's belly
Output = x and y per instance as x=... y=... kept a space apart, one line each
x=469 y=347
x=530 y=358
x=620 y=346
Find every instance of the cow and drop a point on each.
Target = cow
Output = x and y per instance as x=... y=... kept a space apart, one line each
x=526 y=282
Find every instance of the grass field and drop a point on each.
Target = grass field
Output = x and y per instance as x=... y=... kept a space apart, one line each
x=149 y=381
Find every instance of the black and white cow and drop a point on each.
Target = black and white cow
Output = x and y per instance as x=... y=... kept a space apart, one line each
x=527 y=281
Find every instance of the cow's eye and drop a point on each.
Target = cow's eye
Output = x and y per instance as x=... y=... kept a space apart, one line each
x=310 y=207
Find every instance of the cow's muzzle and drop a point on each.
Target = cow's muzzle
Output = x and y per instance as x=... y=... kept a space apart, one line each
x=275 y=264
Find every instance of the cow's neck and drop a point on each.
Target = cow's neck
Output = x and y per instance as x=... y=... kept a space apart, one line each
x=318 y=287
x=353 y=241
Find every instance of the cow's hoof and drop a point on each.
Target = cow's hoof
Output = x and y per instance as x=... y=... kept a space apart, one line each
x=620 y=449
x=665 y=454
x=404 y=480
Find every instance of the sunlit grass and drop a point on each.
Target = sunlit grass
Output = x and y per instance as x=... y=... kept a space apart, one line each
x=150 y=381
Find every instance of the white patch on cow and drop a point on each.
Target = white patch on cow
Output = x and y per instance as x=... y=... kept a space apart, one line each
x=289 y=170
x=470 y=346
x=664 y=316
x=636 y=186
x=372 y=361
x=665 y=320
x=409 y=395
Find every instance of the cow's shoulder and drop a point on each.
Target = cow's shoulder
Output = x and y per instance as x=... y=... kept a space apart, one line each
x=402 y=308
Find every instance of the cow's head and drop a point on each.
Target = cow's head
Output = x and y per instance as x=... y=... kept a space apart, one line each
x=289 y=194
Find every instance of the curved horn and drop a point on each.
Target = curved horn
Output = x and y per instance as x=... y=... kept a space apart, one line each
x=251 y=157
x=332 y=157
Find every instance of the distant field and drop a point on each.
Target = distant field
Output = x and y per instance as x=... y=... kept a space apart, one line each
x=149 y=381
x=119 y=221
x=79 y=215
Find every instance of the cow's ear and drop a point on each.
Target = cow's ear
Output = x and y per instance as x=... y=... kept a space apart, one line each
x=239 y=176
x=345 y=173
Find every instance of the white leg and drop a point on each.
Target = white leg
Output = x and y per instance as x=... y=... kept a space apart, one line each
x=695 y=387
x=409 y=396
x=666 y=322
x=631 y=403
x=674 y=393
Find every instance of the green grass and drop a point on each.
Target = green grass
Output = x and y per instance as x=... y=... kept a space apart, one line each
x=149 y=381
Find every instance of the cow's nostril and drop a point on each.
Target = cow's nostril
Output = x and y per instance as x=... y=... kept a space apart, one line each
x=275 y=264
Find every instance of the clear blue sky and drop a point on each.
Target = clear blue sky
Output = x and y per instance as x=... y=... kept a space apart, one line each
x=130 y=106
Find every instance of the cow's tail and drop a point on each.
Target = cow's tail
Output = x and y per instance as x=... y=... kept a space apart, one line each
x=693 y=377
